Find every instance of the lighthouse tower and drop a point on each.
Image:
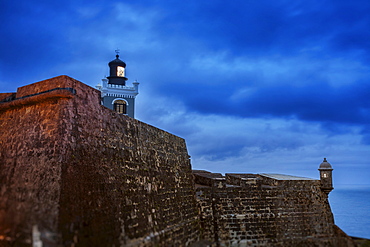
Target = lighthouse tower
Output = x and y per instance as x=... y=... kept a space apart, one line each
x=116 y=95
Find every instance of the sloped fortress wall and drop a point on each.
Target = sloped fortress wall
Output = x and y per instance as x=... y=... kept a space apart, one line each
x=265 y=210
x=31 y=156
x=75 y=173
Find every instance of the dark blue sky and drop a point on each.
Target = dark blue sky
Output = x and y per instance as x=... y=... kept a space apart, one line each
x=253 y=86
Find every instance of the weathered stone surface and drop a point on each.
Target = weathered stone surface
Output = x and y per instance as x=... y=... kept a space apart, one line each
x=87 y=176
x=74 y=173
x=263 y=210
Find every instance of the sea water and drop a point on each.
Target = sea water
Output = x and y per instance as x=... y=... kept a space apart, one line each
x=350 y=205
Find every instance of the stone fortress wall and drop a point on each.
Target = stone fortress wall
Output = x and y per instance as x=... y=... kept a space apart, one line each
x=74 y=173
x=265 y=210
x=81 y=174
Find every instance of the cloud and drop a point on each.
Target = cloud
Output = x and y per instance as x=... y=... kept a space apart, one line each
x=257 y=86
x=254 y=145
x=313 y=90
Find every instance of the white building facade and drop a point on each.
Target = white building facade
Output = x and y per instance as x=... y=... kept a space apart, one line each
x=114 y=92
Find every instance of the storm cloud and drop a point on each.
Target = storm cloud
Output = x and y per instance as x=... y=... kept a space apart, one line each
x=253 y=86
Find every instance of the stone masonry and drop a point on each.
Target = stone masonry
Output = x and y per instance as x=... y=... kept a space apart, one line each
x=265 y=210
x=83 y=175
x=74 y=173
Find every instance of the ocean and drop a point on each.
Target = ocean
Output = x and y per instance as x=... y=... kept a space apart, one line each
x=350 y=205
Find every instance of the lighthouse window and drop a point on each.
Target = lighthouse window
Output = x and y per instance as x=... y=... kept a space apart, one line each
x=120 y=71
x=120 y=106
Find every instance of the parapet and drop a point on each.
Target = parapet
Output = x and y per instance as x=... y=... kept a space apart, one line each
x=217 y=180
x=209 y=179
x=266 y=180
x=242 y=180
x=48 y=90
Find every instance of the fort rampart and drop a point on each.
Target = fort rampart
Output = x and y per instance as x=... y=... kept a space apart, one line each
x=265 y=210
x=74 y=173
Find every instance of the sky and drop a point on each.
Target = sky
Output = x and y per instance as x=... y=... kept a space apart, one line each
x=270 y=86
